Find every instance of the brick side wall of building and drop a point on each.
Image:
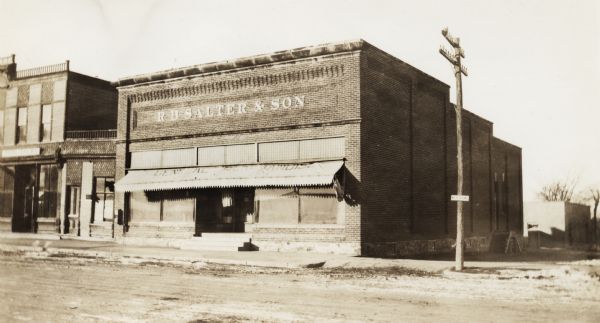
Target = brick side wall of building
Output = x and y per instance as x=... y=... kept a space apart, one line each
x=429 y=193
x=477 y=134
x=508 y=190
x=386 y=136
x=92 y=104
x=410 y=128
x=481 y=176
x=403 y=134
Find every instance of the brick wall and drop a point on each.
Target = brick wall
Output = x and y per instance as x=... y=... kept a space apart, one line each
x=386 y=136
x=477 y=133
x=409 y=139
x=403 y=131
x=322 y=83
x=507 y=190
x=481 y=203
x=102 y=168
x=166 y=230
x=429 y=194
x=92 y=104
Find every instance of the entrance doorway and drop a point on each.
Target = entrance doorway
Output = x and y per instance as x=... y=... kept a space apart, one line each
x=24 y=199
x=223 y=210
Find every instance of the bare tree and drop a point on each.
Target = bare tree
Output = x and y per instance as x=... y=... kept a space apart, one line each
x=558 y=191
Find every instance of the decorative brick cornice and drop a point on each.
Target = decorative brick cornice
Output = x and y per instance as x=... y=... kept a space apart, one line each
x=246 y=62
x=331 y=71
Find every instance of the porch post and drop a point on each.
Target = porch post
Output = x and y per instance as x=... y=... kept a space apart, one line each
x=63 y=198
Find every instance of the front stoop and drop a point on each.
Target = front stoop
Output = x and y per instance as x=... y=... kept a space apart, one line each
x=220 y=241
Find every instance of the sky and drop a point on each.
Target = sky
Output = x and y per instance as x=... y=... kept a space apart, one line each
x=534 y=66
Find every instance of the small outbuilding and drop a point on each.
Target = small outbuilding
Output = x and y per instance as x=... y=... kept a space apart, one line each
x=556 y=224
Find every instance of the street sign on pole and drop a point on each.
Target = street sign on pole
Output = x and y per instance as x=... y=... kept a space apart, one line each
x=462 y=198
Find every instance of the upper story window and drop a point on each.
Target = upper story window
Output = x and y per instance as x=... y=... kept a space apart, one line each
x=11 y=97
x=60 y=90
x=1 y=126
x=21 y=125
x=46 y=127
x=35 y=94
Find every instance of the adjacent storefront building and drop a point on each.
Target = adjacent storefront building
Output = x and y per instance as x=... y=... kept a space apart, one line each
x=338 y=147
x=57 y=130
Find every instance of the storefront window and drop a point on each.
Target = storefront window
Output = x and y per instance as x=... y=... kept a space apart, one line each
x=172 y=206
x=179 y=210
x=142 y=208
x=297 y=205
x=318 y=206
x=277 y=206
x=6 y=191
x=48 y=191
x=105 y=195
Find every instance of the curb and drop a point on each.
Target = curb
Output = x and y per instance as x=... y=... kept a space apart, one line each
x=29 y=236
x=42 y=252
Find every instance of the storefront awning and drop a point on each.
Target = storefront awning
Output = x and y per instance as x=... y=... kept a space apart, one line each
x=270 y=175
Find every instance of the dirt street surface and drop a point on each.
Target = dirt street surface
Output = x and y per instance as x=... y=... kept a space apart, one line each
x=57 y=289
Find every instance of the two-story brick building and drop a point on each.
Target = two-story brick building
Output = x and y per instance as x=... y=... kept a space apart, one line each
x=338 y=147
x=57 y=129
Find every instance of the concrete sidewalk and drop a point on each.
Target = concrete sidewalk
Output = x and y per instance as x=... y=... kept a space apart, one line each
x=112 y=251
x=109 y=250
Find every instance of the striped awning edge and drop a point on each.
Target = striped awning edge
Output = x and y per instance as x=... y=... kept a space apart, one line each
x=262 y=175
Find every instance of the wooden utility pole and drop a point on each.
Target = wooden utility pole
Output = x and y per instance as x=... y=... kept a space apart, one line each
x=454 y=59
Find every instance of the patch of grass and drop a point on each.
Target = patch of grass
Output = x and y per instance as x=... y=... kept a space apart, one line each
x=64 y=255
x=211 y=318
x=16 y=253
x=155 y=264
x=316 y=265
x=372 y=272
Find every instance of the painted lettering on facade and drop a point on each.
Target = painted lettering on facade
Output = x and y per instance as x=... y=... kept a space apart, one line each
x=218 y=110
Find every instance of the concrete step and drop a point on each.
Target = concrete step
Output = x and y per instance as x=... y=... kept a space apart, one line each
x=218 y=241
x=225 y=236
x=209 y=247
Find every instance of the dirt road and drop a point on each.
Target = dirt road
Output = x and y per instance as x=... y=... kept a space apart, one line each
x=60 y=290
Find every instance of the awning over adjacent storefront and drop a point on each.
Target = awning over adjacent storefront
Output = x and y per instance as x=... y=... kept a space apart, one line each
x=264 y=175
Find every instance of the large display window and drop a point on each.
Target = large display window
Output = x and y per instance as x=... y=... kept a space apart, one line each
x=313 y=205
x=48 y=191
x=227 y=209
x=168 y=206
